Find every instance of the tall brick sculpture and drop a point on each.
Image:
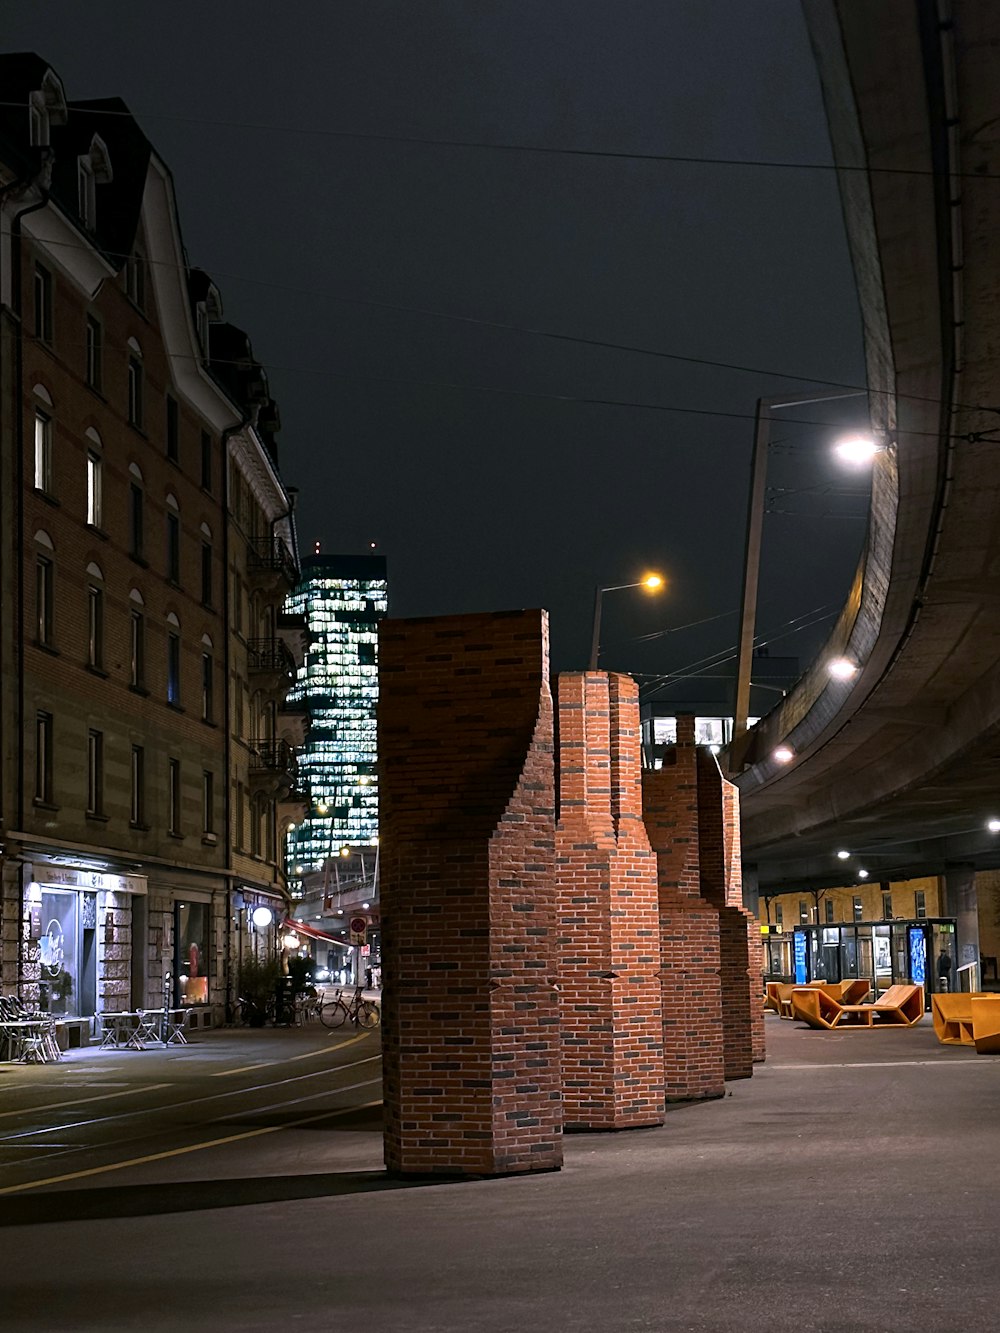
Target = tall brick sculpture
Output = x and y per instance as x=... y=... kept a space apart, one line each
x=694 y=1064
x=739 y=930
x=608 y=939
x=471 y=1057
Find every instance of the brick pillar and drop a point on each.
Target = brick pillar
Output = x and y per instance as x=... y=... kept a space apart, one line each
x=470 y=1025
x=608 y=939
x=689 y=928
x=739 y=930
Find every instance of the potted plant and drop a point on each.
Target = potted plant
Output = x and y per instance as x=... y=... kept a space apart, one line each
x=258 y=983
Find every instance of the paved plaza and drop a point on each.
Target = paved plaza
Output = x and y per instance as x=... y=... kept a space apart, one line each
x=851 y=1184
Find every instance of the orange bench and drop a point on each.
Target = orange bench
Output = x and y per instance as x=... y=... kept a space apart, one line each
x=899 y=1006
x=778 y=994
x=968 y=1018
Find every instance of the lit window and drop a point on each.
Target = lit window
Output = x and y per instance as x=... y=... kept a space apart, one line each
x=95 y=484
x=858 y=906
x=920 y=902
x=43 y=452
x=173 y=669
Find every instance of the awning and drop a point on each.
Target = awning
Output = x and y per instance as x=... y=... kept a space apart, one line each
x=314 y=933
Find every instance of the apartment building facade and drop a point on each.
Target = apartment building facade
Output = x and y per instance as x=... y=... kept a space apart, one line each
x=124 y=854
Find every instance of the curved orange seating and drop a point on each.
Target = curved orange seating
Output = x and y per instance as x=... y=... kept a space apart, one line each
x=968 y=1018
x=899 y=1006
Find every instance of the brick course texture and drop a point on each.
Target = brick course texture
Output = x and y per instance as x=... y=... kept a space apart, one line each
x=694 y=1064
x=739 y=930
x=471 y=1051
x=608 y=936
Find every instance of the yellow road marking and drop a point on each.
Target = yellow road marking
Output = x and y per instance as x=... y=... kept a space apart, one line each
x=180 y=1152
x=81 y=1101
x=289 y=1059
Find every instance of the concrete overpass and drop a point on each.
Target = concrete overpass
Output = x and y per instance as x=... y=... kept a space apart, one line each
x=901 y=764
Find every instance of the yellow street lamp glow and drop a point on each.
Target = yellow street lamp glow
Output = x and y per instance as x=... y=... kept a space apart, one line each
x=857 y=450
x=653 y=581
x=345 y=850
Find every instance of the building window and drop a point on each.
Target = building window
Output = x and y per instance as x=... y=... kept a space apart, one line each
x=43 y=758
x=95 y=353
x=95 y=487
x=43 y=600
x=803 y=911
x=135 y=392
x=135 y=279
x=174 y=797
x=919 y=902
x=174 y=669
x=886 y=906
x=192 y=923
x=208 y=802
x=137 y=655
x=207 y=687
x=206 y=461
x=95 y=772
x=859 y=909
x=206 y=574
x=138 y=801
x=778 y=914
x=43 y=452
x=173 y=547
x=828 y=909
x=95 y=626
x=86 y=192
x=135 y=512
x=43 y=303
x=173 y=430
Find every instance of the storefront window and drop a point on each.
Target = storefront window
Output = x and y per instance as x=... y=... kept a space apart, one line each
x=59 y=952
x=191 y=927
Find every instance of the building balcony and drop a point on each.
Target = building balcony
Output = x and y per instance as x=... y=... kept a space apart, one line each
x=270 y=657
x=293 y=722
x=274 y=768
x=294 y=806
x=293 y=631
x=270 y=562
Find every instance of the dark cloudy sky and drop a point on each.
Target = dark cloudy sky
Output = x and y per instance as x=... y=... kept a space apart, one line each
x=448 y=441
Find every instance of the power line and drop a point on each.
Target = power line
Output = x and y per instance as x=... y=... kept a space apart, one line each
x=372 y=136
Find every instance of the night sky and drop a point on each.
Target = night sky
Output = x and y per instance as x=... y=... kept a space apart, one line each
x=448 y=441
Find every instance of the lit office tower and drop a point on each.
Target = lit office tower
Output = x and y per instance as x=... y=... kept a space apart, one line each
x=342 y=597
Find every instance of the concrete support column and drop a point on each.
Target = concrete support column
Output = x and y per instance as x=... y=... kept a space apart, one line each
x=962 y=902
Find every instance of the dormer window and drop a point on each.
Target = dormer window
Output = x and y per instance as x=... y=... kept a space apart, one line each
x=93 y=168
x=46 y=107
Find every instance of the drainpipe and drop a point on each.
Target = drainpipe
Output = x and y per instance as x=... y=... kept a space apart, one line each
x=227 y=435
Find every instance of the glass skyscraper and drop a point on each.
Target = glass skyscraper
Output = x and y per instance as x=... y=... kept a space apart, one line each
x=343 y=597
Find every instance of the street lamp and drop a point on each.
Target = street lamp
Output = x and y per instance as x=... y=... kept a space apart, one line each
x=755 y=528
x=652 y=583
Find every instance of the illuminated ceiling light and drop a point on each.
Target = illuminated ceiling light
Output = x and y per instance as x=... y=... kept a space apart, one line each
x=857 y=450
x=842 y=668
x=842 y=855
x=713 y=749
x=365 y=906
x=993 y=825
x=784 y=754
x=862 y=874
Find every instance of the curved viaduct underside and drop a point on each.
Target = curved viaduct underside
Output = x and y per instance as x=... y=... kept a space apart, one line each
x=901 y=764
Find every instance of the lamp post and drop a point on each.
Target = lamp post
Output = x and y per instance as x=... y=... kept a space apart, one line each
x=755 y=528
x=652 y=582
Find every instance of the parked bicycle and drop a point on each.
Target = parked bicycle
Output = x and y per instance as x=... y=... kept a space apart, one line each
x=337 y=1010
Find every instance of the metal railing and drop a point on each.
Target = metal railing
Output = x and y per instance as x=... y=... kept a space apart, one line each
x=271 y=555
x=270 y=655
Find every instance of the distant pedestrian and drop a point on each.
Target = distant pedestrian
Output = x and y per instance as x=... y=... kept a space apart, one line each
x=944 y=971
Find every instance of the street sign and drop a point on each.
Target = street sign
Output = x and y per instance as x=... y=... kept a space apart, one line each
x=359 y=929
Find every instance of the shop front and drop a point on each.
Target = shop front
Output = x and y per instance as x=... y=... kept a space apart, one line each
x=919 y=952
x=77 y=947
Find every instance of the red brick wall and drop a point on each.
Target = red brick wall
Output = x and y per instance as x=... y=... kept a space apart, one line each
x=608 y=941
x=472 y=1080
x=739 y=930
x=689 y=928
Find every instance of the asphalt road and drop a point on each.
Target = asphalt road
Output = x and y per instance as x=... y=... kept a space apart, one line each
x=236 y=1184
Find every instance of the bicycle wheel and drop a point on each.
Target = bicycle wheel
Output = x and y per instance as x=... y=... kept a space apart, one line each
x=369 y=1015
x=334 y=1013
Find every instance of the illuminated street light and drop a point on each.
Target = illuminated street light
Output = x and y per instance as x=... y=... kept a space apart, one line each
x=651 y=582
x=857 y=450
x=345 y=850
x=784 y=754
x=842 y=668
x=842 y=855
